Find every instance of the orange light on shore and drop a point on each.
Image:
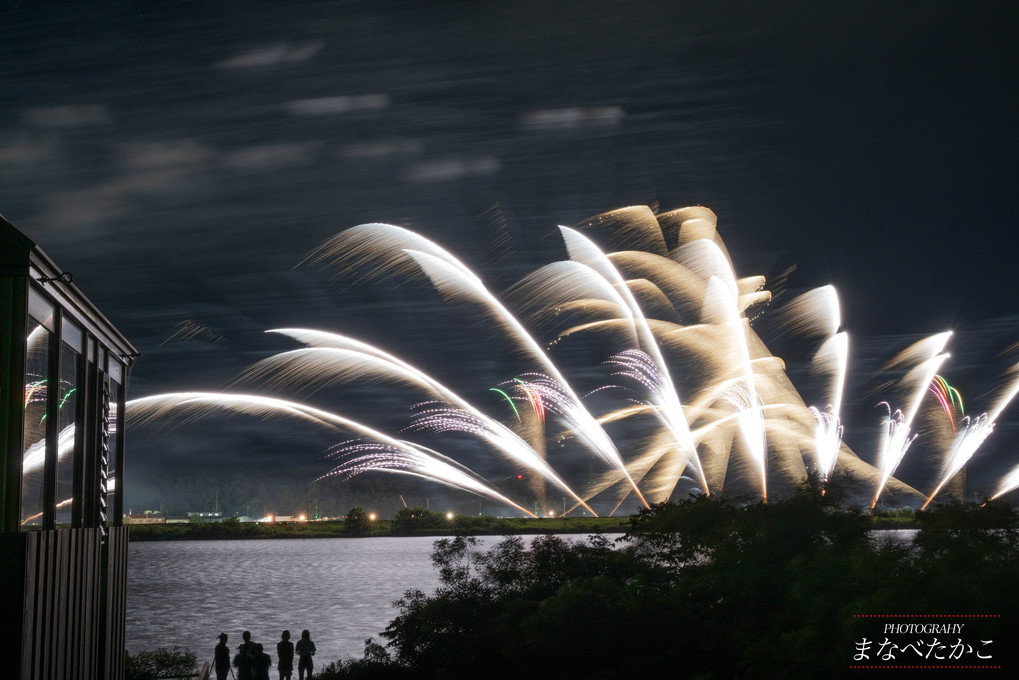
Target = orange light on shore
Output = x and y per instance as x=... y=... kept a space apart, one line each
x=371 y=516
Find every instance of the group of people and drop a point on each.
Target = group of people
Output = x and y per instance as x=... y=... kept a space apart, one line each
x=252 y=663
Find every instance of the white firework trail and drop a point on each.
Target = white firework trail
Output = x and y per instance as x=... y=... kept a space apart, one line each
x=424 y=463
x=441 y=419
x=827 y=439
x=689 y=299
x=456 y=284
x=965 y=444
x=339 y=356
x=1008 y=483
x=817 y=313
x=895 y=439
x=721 y=308
x=668 y=406
x=832 y=358
x=201 y=404
x=894 y=443
x=972 y=437
x=640 y=367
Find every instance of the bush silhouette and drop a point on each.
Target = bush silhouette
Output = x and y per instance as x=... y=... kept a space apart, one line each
x=706 y=587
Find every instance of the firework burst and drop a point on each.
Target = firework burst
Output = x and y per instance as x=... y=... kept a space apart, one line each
x=714 y=404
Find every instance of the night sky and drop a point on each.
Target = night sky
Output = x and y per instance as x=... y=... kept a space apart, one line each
x=181 y=161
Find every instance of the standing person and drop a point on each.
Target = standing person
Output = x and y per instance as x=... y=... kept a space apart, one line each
x=247 y=646
x=262 y=664
x=222 y=658
x=245 y=659
x=285 y=656
x=244 y=663
x=305 y=650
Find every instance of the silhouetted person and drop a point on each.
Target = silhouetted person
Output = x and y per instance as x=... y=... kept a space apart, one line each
x=285 y=656
x=247 y=646
x=222 y=658
x=261 y=665
x=244 y=663
x=305 y=650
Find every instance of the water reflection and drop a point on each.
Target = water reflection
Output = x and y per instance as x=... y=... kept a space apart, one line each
x=185 y=593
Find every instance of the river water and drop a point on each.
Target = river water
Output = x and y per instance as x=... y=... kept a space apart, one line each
x=185 y=593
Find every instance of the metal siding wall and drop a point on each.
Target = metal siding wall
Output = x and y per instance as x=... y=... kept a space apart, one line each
x=61 y=584
x=74 y=612
x=76 y=591
x=12 y=601
x=29 y=549
x=90 y=621
x=116 y=602
x=44 y=595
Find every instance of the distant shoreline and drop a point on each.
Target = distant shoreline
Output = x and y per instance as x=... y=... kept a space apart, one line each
x=470 y=526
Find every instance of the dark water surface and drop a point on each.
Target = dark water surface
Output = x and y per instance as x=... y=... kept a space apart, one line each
x=185 y=593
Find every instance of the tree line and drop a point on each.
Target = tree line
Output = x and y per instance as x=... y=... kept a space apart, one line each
x=710 y=588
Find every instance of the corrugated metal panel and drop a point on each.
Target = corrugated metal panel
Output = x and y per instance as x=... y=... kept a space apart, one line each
x=74 y=608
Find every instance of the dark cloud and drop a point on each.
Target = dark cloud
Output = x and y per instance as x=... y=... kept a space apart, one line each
x=449 y=169
x=272 y=55
x=69 y=116
x=328 y=106
x=573 y=118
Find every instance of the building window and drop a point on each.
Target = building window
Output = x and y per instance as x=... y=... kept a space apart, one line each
x=113 y=485
x=37 y=382
x=67 y=410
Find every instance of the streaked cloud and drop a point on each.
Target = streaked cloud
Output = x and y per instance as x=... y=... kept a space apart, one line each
x=80 y=213
x=328 y=106
x=71 y=116
x=381 y=149
x=24 y=151
x=446 y=169
x=164 y=154
x=272 y=55
x=572 y=118
x=269 y=156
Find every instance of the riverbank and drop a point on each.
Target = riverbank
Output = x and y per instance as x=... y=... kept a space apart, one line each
x=464 y=525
